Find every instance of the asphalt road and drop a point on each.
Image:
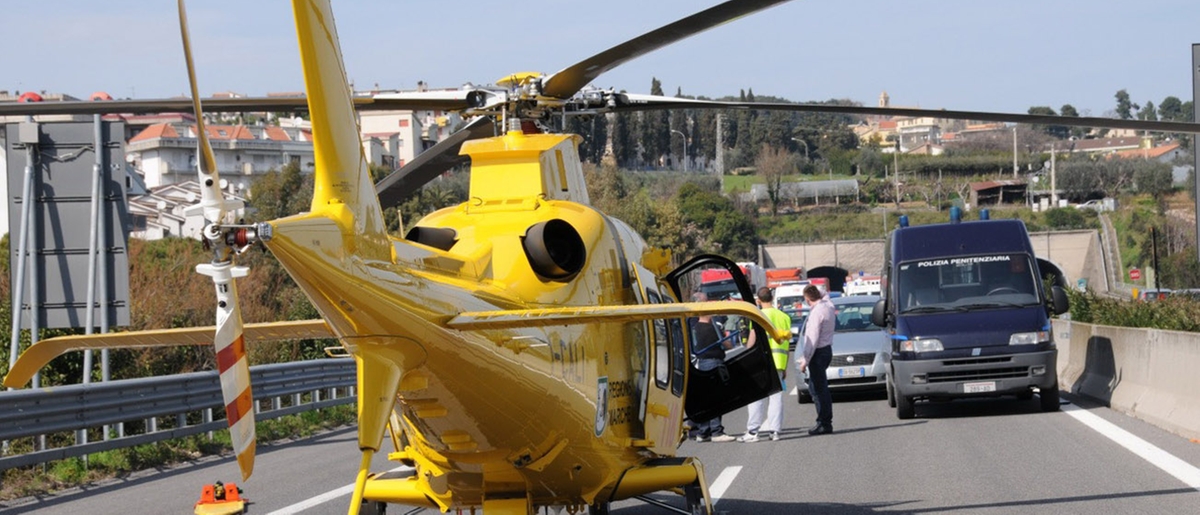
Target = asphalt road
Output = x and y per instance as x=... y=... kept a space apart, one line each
x=987 y=456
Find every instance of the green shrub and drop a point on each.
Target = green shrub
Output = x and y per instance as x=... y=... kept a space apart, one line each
x=1065 y=218
x=1172 y=313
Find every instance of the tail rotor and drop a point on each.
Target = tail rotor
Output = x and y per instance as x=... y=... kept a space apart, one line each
x=226 y=241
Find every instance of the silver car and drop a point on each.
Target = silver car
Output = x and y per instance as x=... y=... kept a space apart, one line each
x=798 y=317
x=860 y=349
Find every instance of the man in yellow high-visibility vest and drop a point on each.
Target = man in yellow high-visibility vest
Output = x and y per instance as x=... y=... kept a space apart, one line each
x=767 y=422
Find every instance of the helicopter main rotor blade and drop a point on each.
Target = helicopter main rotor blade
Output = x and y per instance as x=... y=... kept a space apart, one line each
x=413 y=101
x=653 y=102
x=431 y=163
x=571 y=79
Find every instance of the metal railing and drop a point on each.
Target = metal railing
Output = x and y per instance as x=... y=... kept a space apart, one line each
x=83 y=407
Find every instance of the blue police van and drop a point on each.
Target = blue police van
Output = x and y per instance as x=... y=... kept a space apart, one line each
x=967 y=313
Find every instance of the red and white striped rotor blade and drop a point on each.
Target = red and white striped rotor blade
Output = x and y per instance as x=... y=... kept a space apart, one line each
x=232 y=363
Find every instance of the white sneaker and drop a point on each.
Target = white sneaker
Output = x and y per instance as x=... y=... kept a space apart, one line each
x=723 y=438
x=774 y=436
x=701 y=438
x=748 y=438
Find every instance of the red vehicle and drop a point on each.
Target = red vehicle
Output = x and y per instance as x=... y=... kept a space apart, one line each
x=718 y=283
x=780 y=276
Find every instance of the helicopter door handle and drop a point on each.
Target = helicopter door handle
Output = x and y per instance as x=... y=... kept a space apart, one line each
x=658 y=409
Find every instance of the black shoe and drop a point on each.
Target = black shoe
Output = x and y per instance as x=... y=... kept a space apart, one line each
x=820 y=430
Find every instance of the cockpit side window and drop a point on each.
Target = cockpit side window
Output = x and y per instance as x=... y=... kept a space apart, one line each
x=662 y=346
x=679 y=358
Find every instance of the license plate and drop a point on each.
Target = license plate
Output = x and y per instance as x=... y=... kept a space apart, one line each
x=847 y=372
x=988 y=386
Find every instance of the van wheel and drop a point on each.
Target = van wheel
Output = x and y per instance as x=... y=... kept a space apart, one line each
x=891 y=395
x=904 y=408
x=1049 y=398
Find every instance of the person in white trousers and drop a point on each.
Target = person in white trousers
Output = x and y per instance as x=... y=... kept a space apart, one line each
x=766 y=415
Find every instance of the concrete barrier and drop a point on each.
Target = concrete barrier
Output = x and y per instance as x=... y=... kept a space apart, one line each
x=1150 y=374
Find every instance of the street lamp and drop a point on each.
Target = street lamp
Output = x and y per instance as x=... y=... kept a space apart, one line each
x=802 y=142
x=685 y=154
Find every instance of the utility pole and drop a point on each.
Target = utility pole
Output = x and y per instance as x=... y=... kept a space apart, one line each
x=1195 y=140
x=1015 y=152
x=720 y=149
x=1053 y=183
x=896 y=171
x=1154 y=248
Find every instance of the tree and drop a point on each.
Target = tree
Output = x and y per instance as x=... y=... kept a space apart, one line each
x=1056 y=131
x=594 y=131
x=656 y=133
x=744 y=141
x=1171 y=109
x=606 y=186
x=1069 y=110
x=869 y=161
x=1152 y=177
x=1113 y=176
x=730 y=231
x=280 y=193
x=1125 y=106
x=626 y=136
x=1077 y=179
x=1148 y=112
x=772 y=164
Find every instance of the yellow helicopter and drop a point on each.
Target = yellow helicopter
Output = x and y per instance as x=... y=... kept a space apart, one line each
x=520 y=350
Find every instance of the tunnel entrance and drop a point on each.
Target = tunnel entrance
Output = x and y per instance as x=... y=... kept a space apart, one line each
x=835 y=275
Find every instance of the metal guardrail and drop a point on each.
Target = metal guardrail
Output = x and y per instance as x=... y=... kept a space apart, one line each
x=26 y=413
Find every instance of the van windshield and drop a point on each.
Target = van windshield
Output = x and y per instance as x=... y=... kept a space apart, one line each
x=723 y=289
x=790 y=302
x=967 y=282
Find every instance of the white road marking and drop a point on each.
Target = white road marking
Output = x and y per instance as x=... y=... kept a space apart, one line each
x=795 y=390
x=1182 y=470
x=722 y=483
x=320 y=499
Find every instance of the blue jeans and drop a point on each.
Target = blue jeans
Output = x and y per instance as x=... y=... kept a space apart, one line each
x=818 y=385
x=709 y=428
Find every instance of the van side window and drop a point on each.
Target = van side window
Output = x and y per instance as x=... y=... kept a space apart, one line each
x=662 y=346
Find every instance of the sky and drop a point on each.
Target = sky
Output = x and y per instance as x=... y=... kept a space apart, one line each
x=999 y=55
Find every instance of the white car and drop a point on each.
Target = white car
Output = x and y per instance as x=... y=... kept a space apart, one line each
x=1098 y=205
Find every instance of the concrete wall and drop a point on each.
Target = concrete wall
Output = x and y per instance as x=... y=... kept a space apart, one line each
x=1147 y=373
x=866 y=255
x=1077 y=253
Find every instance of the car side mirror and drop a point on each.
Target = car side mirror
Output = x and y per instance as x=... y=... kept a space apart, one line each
x=879 y=313
x=1059 y=298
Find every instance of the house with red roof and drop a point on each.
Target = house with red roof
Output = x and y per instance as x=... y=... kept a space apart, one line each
x=165 y=153
x=1162 y=153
